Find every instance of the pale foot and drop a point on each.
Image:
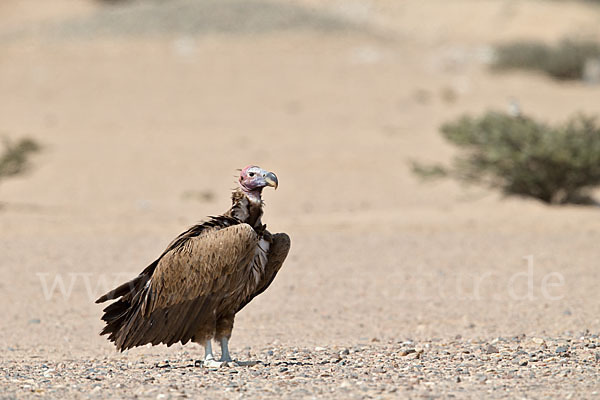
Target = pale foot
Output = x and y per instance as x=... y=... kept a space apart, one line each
x=226 y=357
x=234 y=363
x=212 y=363
x=245 y=363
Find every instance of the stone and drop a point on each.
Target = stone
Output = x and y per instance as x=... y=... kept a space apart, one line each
x=490 y=349
x=561 y=350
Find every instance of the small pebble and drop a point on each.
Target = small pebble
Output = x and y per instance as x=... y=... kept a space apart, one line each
x=407 y=352
x=490 y=349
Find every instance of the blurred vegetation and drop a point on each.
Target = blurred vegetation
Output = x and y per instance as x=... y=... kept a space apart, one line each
x=199 y=17
x=555 y=164
x=564 y=61
x=15 y=157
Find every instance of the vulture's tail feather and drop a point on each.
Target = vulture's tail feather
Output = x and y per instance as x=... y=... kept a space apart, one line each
x=122 y=290
x=119 y=314
x=114 y=316
x=131 y=286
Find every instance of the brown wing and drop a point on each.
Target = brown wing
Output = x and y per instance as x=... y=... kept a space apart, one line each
x=128 y=289
x=186 y=285
x=278 y=251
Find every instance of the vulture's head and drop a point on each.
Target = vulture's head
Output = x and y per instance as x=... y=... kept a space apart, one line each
x=253 y=179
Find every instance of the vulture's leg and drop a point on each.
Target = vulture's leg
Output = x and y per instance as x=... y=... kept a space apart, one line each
x=225 y=357
x=208 y=353
x=223 y=333
x=209 y=359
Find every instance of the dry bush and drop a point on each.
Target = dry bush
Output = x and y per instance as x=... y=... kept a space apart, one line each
x=564 y=61
x=15 y=158
x=520 y=156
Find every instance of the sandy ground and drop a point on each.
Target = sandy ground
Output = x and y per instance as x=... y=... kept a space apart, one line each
x=393 y=288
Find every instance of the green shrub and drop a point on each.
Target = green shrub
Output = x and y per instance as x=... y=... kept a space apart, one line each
x=523 y=157
x=15 y=157
x=563 y=61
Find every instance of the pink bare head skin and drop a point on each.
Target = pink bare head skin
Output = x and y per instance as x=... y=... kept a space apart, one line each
x=253 y=179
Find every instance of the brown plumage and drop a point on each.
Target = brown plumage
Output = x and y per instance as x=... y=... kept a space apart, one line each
x=204 y=277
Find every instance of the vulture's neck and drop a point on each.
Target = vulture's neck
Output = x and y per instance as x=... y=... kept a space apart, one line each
x=247 y=207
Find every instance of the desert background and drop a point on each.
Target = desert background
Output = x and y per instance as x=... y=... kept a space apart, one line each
x=395 y=287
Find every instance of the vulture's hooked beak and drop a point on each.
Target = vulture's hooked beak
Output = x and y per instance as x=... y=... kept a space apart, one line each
x=271 y=180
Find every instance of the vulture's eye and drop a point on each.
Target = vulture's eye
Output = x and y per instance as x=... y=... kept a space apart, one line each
x=251 y=174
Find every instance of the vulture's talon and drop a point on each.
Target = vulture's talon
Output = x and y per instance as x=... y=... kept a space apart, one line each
x=246 y=363
x=213 y=364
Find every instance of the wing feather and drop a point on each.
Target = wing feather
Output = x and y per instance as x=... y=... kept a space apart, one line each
x=278 y=251
x=186 y=284
x=202 y=266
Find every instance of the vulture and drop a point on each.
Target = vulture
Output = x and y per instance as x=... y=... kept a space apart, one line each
x=203 y=278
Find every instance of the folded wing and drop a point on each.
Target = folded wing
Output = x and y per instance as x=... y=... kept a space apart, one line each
x=180 y=292
x=278 y=251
